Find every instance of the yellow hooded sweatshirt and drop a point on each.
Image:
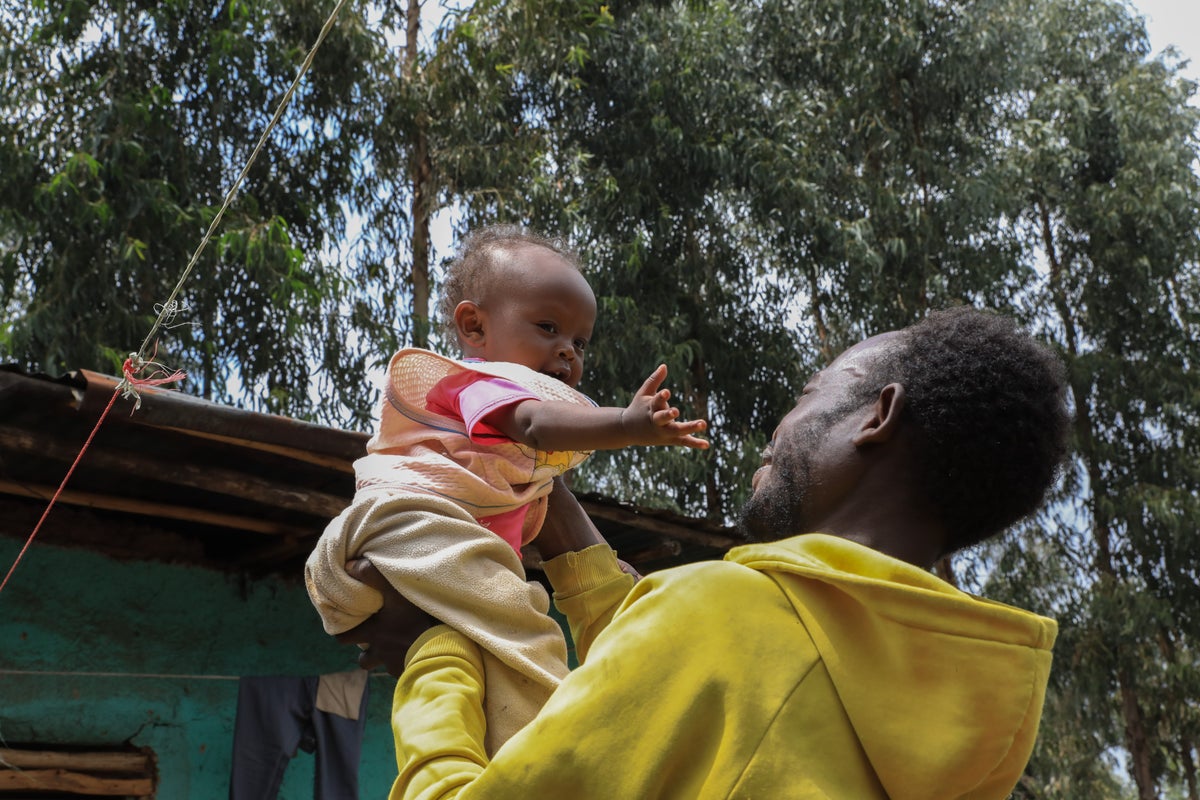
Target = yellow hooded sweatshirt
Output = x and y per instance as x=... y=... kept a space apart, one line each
x=807 y=668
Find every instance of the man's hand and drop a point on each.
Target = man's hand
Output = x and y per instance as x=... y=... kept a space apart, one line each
x=389 y=632
x=650 y=419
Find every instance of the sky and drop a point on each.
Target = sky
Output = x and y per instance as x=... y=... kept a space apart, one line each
x=1174 y=22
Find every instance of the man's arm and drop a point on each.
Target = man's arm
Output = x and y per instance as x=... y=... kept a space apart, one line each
x=589 y=581
x=437 y=717
x=646 y=716
x=553 y=425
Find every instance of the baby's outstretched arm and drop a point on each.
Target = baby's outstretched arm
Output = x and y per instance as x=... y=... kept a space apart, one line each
x=648 y=420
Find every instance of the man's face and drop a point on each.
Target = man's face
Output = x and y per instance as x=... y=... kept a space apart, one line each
x=804 y=471
x=538 y=312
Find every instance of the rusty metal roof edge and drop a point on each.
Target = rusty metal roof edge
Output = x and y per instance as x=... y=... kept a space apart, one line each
x=170 y=408
x=67 y=389
x=699 y=524
x=68 y=378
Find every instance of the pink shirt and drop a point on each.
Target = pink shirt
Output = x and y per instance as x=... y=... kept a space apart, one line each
x=471 y=397
x=418 y=450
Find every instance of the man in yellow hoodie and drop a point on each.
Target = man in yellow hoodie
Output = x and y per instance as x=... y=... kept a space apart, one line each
x=822 y=661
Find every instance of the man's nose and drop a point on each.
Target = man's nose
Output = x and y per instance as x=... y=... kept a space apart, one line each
x=566 y=349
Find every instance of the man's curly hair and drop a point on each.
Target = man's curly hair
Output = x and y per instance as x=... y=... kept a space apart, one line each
x=476 y=257
x=989 y=404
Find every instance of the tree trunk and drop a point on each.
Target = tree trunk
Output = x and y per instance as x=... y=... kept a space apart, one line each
x=1183 y=742
x=1137 y=738
x=700 y=401
x=1188 y=764
x=421 y=170
x=824 y=346
x=944 y=569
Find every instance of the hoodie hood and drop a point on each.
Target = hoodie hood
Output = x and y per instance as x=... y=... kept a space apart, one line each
x=944 y=689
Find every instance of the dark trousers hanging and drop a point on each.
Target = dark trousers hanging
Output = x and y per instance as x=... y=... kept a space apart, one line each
x=275 y=717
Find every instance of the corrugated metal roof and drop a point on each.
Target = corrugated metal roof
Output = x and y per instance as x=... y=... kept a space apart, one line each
x=190 y=480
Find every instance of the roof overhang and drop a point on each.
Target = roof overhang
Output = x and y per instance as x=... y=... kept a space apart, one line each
x=186 y=479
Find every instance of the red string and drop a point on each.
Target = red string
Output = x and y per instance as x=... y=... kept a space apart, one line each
x=127 y=386
x=61 y=486
x=127 y=368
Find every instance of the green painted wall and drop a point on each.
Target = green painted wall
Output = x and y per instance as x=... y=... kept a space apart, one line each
x=75 y=612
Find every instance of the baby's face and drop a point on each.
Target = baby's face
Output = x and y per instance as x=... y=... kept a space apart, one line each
x=539 y=312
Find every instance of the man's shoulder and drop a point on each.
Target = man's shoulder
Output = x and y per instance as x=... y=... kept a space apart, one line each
x=701 y=574
x=704 y=588
x=721 y=614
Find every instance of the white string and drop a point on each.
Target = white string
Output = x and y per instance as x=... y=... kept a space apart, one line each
x=167 y=314
x=169 y=307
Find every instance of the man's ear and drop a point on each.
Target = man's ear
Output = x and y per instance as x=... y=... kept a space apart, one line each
x=468 y=321
x=884 y=419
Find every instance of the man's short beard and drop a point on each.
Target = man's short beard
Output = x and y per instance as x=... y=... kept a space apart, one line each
x=775 y=513
x=778 y=510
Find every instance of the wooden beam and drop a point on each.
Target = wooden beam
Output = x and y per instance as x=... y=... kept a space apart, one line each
x=276 y=550
x=298 y=454
x=181 y=473
x=150 y=509
x=92 y=761
x=61 y=780
x=645 y=522
x=663 y=548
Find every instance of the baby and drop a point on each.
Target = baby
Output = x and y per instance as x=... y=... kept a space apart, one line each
x=456 y=477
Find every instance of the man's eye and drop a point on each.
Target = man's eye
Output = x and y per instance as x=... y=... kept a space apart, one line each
x=581 y=344
x=548 y=327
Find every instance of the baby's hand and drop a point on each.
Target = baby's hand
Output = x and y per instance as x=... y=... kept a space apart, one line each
x=650 y=418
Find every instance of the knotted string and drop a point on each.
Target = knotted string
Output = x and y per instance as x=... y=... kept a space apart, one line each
x=128 y=387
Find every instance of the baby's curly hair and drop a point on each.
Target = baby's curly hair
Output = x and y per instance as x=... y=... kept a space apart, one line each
x=989 y=402
x=475 y=258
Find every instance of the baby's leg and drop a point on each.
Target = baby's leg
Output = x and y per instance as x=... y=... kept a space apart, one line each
x=447 y=564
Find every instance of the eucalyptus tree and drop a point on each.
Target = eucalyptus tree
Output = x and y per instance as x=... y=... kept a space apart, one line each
x=455 y=132
x=1104 y=156
x=884 y=155
x=123 y=126
x=642 y=111
x=757 y=185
